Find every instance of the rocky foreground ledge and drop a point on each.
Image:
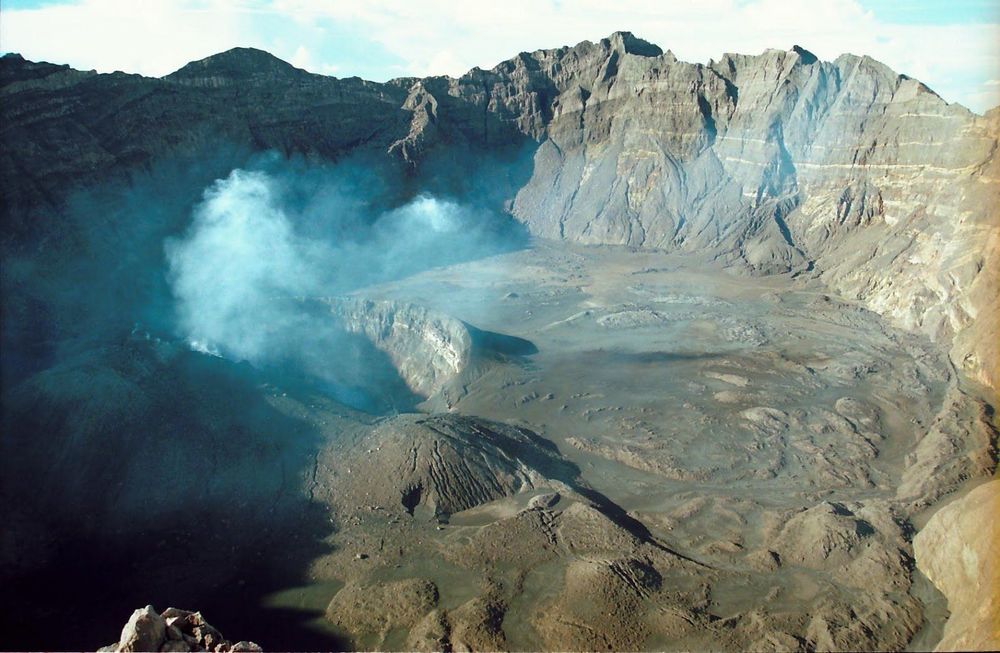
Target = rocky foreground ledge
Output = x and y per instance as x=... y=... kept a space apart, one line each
x=173 y=630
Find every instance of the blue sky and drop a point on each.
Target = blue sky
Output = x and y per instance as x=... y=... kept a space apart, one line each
x=935 y=12
x=952 y=46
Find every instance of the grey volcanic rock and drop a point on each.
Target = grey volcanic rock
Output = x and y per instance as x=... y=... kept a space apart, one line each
x=778 y=161
x=781 y=161
x=958 y=445
x=237 y=67
x=959 y=550
x=432 y=352
x=17 y=75
x=862 y=544
x=59 y=136
x=444 y=463
x=592 y=588
x=427 y=347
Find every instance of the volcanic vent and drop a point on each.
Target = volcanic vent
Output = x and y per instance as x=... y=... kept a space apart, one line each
x=431 y=351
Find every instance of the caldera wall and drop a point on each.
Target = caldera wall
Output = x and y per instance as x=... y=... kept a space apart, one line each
x=776 y=161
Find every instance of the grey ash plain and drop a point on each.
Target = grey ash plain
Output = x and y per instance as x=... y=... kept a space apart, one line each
x=736 y=346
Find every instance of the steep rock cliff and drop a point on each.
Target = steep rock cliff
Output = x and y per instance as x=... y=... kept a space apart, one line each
x=774 y=162
x=957 y=550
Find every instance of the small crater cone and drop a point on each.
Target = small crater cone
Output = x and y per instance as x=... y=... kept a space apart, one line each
x=447 y=463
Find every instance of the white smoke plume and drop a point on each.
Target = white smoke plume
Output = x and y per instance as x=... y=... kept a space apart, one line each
x=259 y=239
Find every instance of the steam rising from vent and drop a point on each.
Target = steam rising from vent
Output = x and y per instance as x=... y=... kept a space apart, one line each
x=260 y=239
x=241 y=252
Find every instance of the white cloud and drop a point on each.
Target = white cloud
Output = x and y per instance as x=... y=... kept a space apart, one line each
x=445 y=37
x=150 y=38
x=303 y=58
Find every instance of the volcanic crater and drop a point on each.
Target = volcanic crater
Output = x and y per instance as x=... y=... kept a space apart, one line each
x=594 y=350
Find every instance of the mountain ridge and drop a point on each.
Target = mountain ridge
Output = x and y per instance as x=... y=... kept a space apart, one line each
x=235 y=65
x=189 y=392
x=776 y=162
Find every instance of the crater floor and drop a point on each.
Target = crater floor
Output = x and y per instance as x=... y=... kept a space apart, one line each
x=743 y=461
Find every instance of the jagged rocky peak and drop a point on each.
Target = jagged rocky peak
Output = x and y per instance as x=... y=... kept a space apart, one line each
x=806 y=56
x=11 y=58
x=17 y=74
x=236 y=65
x=628 y=43
x=560 y=64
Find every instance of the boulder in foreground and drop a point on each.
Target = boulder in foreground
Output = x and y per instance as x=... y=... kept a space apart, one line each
x=173 y=630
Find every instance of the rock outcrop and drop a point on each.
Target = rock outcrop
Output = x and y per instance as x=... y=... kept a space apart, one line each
x=959 y=551
x=173 y=630
x=431 y=351
x=427 y=348
x=445 y=464
x=778 y=161
x=783 y=162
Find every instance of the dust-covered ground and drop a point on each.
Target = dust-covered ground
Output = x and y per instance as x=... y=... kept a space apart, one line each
x=672 y=457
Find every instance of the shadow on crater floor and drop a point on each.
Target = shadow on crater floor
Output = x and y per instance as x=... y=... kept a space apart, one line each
x=140 y=474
